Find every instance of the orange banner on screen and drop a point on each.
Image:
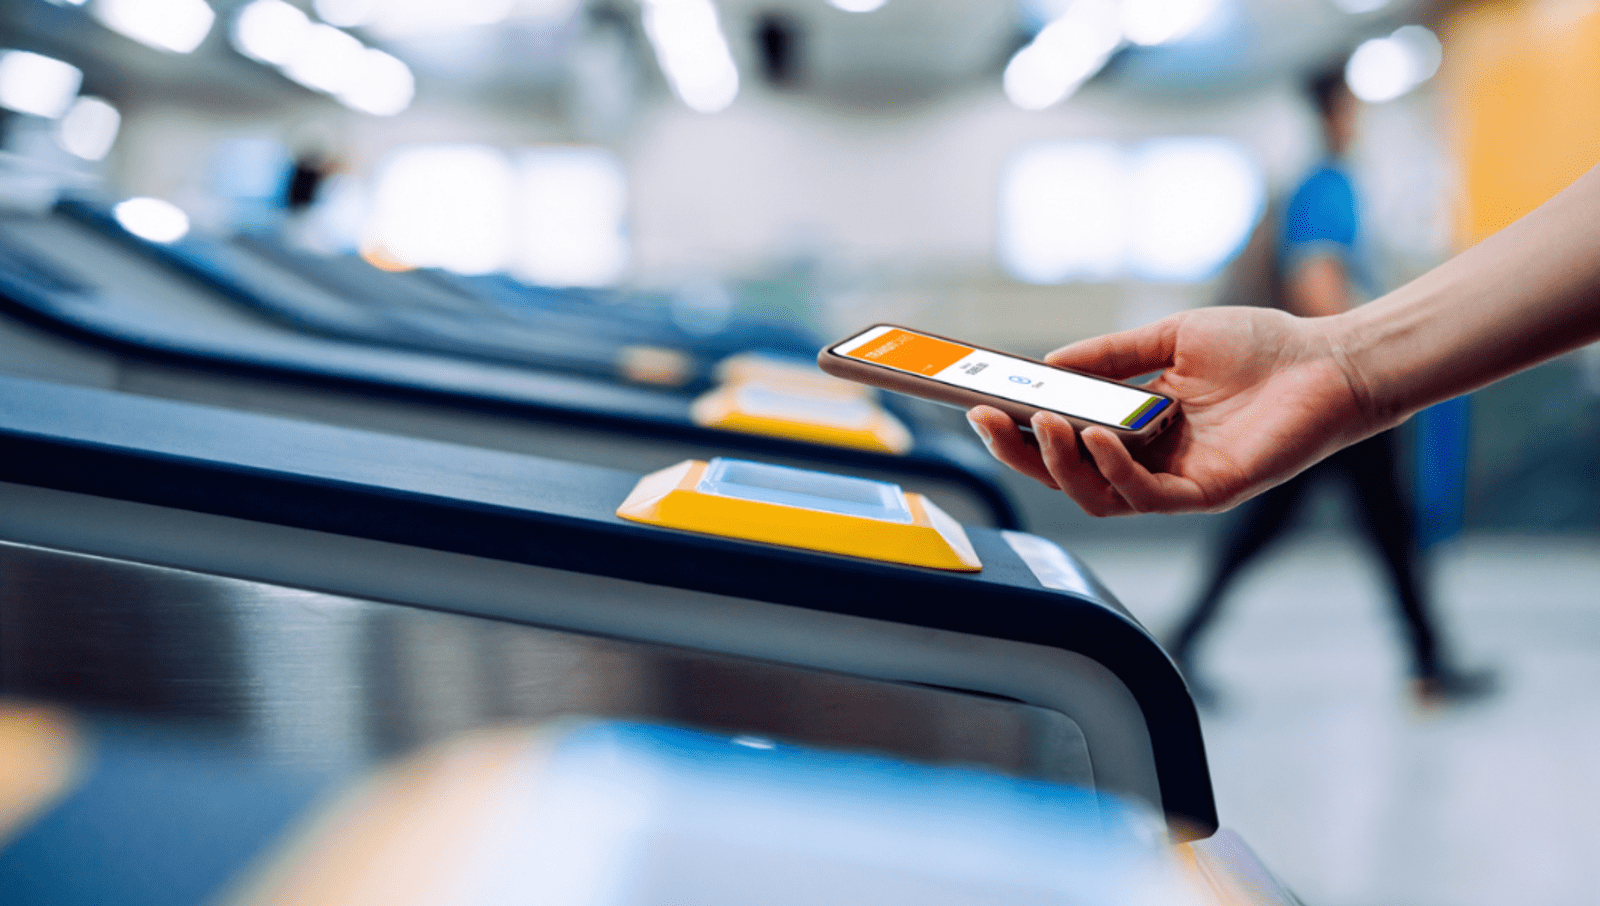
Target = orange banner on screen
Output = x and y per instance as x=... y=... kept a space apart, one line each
x=911 y=352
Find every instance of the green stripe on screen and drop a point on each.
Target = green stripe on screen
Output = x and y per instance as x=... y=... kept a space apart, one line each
x=1140 y=411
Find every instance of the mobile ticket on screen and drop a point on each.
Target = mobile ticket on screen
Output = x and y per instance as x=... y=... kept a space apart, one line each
x=1008 y=377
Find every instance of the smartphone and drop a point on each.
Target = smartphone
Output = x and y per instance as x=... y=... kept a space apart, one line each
x=961 y=374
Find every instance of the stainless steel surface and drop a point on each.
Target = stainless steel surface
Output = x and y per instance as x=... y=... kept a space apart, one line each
x=316 y=678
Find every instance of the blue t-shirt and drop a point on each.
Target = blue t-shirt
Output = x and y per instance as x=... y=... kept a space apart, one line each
x=1322 y=218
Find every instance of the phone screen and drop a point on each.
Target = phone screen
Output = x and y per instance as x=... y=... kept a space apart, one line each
x=1005 y=376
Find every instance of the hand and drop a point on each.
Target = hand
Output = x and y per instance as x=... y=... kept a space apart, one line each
x=1263 y=395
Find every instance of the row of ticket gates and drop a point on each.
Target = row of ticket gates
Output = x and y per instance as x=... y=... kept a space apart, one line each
x=326 y=584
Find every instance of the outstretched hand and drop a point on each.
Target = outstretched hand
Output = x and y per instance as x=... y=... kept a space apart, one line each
x=1263 y=395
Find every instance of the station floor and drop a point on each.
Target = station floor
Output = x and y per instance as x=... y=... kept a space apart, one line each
x=1349 y=791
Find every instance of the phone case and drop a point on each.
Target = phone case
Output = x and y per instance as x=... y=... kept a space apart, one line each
x=1022 y=413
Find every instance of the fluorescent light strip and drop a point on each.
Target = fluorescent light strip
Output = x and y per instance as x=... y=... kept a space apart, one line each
x=89 y=129
x=323 y=58
x=693 y=52
x=177 y=26
x=36 y=84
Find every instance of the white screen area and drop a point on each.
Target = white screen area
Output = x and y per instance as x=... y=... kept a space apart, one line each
x=1008 y=377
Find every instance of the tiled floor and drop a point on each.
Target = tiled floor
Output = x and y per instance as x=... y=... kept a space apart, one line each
x=1348 y=790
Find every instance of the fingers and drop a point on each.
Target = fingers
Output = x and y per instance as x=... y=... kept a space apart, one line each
x=1005 y=441
x=1141 y=490
x=1123 y=355
x=1072 y=471
x=1107 y=481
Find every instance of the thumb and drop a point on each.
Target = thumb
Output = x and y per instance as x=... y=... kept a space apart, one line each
x=1123 y=355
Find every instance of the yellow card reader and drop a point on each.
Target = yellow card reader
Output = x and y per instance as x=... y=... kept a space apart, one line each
x=799 y=413
x=819 y=511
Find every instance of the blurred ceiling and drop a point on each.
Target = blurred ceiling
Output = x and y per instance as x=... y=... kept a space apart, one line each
x=906 y=52
x=116 y=67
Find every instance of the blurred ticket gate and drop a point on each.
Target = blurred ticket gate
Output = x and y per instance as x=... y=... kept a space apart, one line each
x=321 y=597
x=345 y=297
x=115 y=318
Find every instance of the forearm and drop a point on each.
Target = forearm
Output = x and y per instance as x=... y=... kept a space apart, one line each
x=1525 y=294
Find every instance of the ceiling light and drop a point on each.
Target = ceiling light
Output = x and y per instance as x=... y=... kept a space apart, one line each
x=1064 y=55
x=381 y=85
x=327 y=59
x=1380 y=70
x=89 y=129
x=152 y=219
x=693 y=52
x=269 y=30
x=1152 y=22
x=324 y=58
x=1423 y=45
x=346 y=13
x=856 y=6
x=175 y=25
x=1383 y=69
x=36 y=84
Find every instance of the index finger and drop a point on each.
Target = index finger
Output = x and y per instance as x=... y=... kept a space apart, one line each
x=1122 y=355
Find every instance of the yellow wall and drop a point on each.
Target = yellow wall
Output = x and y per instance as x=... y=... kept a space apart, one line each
x=1524 y=87
x=1523 y=82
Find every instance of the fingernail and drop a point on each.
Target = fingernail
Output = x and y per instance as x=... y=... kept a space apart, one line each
x=1038 y=429
x=981 y=431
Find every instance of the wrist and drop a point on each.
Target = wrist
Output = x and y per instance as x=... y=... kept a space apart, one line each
x=1401 y=348
x=1360 y=355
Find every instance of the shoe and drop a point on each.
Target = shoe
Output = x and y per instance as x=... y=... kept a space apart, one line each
x=1455 y=687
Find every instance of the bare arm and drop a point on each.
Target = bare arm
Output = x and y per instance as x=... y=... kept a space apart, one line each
x=1524 y=295
x=1266 y=394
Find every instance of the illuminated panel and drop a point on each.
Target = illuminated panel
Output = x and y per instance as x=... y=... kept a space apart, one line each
x=1523 y=83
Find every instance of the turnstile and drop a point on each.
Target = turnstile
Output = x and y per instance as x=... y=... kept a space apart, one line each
x=113 y=318
x=102 y=487
x=347 y=298
x=320 y=597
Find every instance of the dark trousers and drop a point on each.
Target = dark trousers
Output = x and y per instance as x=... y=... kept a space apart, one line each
x=1367 y=471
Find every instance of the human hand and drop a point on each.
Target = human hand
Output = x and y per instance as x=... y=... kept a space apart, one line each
x=1263 y=395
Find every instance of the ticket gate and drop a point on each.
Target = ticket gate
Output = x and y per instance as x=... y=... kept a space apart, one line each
x=494 y=535
x=110 y=317
x=677 y=317
x=345 y=297
x=322 y=597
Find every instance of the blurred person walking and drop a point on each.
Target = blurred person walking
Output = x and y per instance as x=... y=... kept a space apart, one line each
x=1310 y=259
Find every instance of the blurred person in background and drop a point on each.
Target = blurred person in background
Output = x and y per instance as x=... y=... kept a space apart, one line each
x=1315 y=262
x=1267 y=395
x=323 y=207
x=307 y=175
